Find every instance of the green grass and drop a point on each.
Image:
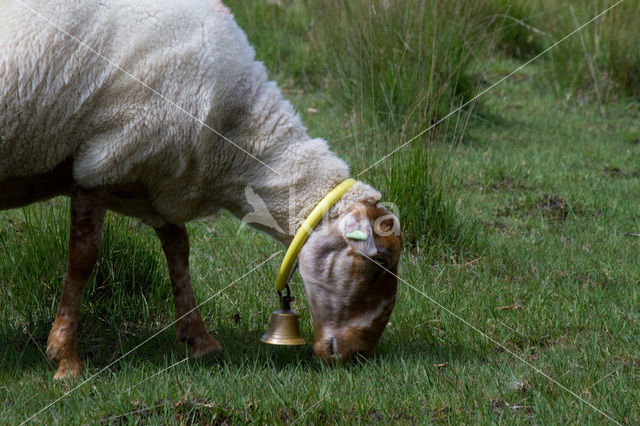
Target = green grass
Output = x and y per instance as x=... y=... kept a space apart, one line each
x=512 y=21
x=526 y=234
x=397 y=71
x=601 y=63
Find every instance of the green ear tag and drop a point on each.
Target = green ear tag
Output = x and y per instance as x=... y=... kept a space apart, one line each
x=357 y=235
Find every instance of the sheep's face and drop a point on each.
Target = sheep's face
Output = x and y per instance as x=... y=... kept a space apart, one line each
x=350 y=295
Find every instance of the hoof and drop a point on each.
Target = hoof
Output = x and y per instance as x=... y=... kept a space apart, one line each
x=69 y=368
x=205 y=346
x=213 y=356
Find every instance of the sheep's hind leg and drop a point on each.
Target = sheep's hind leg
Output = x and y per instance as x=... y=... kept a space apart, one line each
x=189 y=326
x=87 y=217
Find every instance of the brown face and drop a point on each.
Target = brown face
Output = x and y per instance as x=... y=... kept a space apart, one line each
x=350 y=295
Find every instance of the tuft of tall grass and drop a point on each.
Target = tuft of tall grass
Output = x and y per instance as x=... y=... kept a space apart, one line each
x=401 y=66
x=281 y=31
x=599 y=63
x=396 y=69
x=513 y=21
x=418 y=182
x=602 y=61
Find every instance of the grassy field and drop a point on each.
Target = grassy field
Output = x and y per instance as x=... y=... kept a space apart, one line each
x=519 y=299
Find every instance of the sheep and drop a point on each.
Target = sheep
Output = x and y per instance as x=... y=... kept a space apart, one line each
x=158 y=110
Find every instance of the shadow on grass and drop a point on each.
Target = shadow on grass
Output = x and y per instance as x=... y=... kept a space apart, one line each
x=100 y=348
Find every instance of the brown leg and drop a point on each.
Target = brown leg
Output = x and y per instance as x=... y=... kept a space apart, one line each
x=87 y=216
x=189 y=326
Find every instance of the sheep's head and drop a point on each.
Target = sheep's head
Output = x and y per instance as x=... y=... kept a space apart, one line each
x=350 y=295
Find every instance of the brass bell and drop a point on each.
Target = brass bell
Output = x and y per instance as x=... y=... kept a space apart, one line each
x=283 y=328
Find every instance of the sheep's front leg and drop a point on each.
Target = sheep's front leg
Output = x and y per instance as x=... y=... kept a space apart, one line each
x=189 y=326
x=87 y=216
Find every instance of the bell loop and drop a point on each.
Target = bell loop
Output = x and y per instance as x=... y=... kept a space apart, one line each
x=285 y=300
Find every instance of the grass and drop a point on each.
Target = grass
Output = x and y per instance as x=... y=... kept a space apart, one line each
x=600 y=64
x=512 y=20
x=529 y=238
x=396 y=72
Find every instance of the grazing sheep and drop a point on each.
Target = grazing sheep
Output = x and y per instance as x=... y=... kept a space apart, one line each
x=158 y=110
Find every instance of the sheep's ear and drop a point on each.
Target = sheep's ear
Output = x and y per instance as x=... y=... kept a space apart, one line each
x=356 y=230
x=387 y=224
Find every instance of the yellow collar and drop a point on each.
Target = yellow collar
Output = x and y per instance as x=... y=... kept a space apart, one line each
x=307 y=227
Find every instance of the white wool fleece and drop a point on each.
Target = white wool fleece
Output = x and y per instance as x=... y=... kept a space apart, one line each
x=60 y=99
